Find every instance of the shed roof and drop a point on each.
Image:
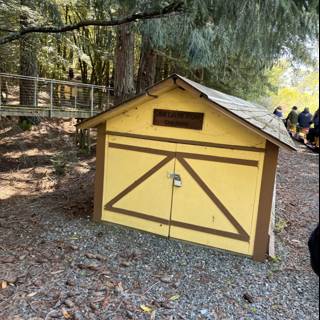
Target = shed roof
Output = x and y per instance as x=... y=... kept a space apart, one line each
x=254 y=115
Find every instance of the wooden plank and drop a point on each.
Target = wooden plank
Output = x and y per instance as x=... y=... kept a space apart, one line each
x=43 y=112
x=266 y=202
x=272 y=249
x=100 y=173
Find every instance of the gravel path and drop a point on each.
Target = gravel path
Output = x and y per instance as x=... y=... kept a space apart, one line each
x=57 y=264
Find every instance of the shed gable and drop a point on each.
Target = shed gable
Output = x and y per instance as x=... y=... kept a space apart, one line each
x=217 y=127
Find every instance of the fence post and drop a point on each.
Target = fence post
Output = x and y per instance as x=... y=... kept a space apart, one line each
x=51 y=98
x=75 y=97
x=36 y=92
x=0 y=92
x=91 y=101
x=108 y=98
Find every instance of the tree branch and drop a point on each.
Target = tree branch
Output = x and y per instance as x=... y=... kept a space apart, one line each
x=177 y=7
x=6 y=30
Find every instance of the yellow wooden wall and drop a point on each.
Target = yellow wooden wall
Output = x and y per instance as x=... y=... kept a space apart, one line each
x=218 y=128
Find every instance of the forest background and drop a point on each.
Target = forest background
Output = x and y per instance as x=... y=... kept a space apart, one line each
x=265 y=51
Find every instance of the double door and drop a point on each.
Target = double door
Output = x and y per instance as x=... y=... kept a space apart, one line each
x=181 y=191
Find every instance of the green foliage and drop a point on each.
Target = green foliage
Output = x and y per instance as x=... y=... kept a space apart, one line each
x=61 y=162
x=25 y=125
x=276 y=260
x=234 y=43
x=296 y=86
x=229 y=45
x=281 y=225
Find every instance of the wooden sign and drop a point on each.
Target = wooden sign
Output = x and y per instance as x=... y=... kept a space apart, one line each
x=178 y=119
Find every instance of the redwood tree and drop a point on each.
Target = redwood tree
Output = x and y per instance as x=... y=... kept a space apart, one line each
x=28 y=57
x=124 y=87
x=147 y=65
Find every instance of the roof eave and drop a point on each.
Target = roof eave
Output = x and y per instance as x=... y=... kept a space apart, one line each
x=91 y=123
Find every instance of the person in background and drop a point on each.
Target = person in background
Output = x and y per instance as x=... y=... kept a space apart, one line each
x=70 y=74
x=278 y=112
x=314 y=248
x=315 y=121
x=304 y=121
x=292 y=120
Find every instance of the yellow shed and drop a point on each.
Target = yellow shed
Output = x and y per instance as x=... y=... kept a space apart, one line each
x=187 y=162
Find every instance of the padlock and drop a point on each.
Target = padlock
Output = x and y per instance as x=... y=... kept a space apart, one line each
x=177 y=181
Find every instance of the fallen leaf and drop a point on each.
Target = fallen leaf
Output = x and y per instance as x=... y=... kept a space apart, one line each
x=90 y=255
x=57 y=272
x=4 y=284
x=166 y=279
x=175 y=297
x=66 y=314
x=125 y=264
x=153 y=315
x=95 y=256
x=146 y=309
x=93 y=266
x=30 y=295
x=119 y=288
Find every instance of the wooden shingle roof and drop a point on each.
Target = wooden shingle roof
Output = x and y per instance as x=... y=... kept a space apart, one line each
x=254 y=116
x=257 y=115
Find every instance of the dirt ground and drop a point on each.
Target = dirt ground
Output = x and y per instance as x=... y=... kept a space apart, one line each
x=57 y=264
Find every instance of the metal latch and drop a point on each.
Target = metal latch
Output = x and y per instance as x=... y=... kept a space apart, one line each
x=177 y=182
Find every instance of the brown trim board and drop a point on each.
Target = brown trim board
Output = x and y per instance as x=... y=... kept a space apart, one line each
x=244 y=162
x=137 y=215
x=194 y=156
x=100 y=173
x=188 y=142
x=265 y=202
x=215 y=232
x=141 y=149
x=242 y=235
x=110 y=205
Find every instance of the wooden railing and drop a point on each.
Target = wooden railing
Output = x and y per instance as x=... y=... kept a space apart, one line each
x=24 y=96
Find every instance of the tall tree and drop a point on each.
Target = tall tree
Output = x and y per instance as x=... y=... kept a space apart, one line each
x=224 y=44
x=233 y=40
x=147 y=65
x=28 y=57
x=124 y=87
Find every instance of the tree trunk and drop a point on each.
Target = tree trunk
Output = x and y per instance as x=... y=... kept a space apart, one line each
x=124 y=87
x=28 y=60
x=159 y=69
x=166 y=68
x=147 y=67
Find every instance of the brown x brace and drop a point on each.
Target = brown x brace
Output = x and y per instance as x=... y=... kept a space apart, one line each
x=242 y=235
